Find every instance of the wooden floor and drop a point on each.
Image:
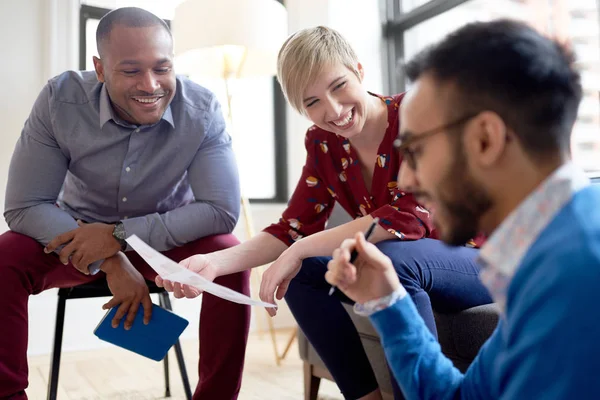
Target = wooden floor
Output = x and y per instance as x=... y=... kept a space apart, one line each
x=114 y=373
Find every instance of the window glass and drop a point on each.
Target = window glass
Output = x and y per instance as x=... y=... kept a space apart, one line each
x=573 y=20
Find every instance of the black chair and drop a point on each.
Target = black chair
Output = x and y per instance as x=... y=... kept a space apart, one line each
x=99 y=288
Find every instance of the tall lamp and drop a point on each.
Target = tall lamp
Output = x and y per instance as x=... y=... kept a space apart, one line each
x=229 y=40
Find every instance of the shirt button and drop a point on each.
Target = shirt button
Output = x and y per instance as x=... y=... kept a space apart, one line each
x=125 y=217
x=124 y=199
x=127 y=169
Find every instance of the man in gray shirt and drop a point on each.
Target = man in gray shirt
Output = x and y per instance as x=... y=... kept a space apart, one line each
x=131 y=149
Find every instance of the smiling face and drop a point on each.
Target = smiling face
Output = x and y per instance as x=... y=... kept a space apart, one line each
x=442 y=179
x=336 y=101
x=137 y=70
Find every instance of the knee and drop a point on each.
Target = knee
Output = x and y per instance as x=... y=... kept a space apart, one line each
x=15 y=248
x=405 y=261
x=17 y=252
x=312 y=270
x=311 y=276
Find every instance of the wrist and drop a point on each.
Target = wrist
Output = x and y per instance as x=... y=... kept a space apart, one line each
x=110 y=264
x=372 y=306
x=298 y=250
x=119 y=234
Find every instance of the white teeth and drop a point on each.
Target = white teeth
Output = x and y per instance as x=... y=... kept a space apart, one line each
x=346 y=120
x=146 y=100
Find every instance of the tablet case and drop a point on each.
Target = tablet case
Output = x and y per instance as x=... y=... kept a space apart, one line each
x=153 y=340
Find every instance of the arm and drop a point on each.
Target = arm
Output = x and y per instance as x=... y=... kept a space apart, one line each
x=214 y=180
x=548 y=330
x=402 y=219
x=301 y=218
x=414 y=355
x=265 y=248
x=260 y=250
x=323 y=243
x=35 y=177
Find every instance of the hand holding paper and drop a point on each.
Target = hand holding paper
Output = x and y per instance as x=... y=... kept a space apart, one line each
x=169 y=269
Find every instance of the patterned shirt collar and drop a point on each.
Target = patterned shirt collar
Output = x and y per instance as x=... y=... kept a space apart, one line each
x=504 y=250
x=107 y=113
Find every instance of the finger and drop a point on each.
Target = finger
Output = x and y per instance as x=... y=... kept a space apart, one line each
x=348 y=244
x=76 y=260
x=342 y=272
x=341 y=255
x=178 y=291
x=59 y=241
x=264 y=292
x=159 y=281
x=263 y=282
x=147 y=304
x=185 y=263
x=191 y=292
x=272 y=311
x=111 y=303
x=168 y=285
x=333 y=279
x=267 y=288
x=270 y=297
x=282 y=289
x=131 y=313
x=66 y=252
x=123 y=308
x=83 y=268
x=84 y=263
x=336 y=254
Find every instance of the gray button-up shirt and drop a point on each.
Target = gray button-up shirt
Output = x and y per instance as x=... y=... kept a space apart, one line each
x=170 y=183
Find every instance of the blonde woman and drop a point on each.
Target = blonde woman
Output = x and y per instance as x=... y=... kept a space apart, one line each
x=350 y=160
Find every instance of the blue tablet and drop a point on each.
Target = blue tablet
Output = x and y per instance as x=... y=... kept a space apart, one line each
x=153 y=340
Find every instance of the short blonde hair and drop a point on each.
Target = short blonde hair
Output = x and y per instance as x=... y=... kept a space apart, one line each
x=304 y=55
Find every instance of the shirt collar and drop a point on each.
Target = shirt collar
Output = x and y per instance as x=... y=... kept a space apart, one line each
x=507 y=246
x=107 y=113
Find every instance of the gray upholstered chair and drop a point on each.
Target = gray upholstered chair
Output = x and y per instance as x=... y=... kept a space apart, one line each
x=460 y=336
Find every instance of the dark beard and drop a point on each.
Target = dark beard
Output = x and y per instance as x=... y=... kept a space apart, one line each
x=463 y=201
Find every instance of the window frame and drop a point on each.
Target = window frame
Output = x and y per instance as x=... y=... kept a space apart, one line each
x=88 y=12
x=397 y=23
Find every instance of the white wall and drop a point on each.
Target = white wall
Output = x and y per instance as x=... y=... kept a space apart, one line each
x=39 y=39
x=21 y=77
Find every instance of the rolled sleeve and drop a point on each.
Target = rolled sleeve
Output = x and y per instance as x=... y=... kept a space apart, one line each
x=405 y=218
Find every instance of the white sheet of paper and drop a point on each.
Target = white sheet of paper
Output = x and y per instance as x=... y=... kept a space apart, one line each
x=169 y=269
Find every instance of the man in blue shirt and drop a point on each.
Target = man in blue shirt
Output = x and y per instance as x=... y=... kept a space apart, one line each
x=486 y=138
x=129 y=149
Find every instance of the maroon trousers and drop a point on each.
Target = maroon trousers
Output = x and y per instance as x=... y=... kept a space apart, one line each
x=25 y=270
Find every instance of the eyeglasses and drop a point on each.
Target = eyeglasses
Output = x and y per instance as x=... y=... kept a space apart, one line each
x=408 y=155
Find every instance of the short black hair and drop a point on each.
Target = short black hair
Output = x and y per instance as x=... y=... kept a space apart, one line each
x=507 y=67
x=132 y=17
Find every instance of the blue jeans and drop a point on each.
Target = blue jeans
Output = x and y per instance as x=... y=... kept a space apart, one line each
x=435 y=276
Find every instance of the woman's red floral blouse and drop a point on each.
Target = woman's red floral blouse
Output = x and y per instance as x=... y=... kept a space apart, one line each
x=332 y=173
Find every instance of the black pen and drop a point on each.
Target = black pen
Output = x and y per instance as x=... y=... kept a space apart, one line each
x=354 y=253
